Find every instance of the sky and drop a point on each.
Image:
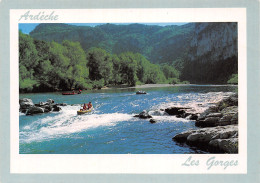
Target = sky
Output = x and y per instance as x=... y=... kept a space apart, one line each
x=26 y=28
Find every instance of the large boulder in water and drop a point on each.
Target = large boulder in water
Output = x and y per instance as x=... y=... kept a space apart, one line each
x=34 y=110
x=143 y=115
x=176 y=111
x=25 y=103
x=50 y=101
x=56 y=108
x=220 y=139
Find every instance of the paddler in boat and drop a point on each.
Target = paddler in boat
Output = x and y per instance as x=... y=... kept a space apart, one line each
x=84 y=107
x=90 y=105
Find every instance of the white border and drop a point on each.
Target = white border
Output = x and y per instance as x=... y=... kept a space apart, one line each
x=152 y=164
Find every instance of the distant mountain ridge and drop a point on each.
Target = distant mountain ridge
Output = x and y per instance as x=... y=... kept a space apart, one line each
x=158 y=44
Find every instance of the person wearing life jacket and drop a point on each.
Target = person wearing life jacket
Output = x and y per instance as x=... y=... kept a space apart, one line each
x=89 y=105
x=84 y=107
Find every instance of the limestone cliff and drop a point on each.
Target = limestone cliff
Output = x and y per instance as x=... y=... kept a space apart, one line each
x=214 y=42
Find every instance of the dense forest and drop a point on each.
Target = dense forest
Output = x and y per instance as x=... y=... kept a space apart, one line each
x=157 y=43
x=65 y=57
x=51 y=66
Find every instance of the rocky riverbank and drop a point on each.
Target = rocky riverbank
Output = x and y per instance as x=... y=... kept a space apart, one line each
x=218 y=123
x=29 y=108
x=220 y=139
x=221 y=134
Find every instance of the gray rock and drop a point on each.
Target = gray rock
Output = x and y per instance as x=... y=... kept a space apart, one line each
x=225 y=145
x=215 y=115
x=234 y=119
x=208 y=122
x=62 y=104
x=193 y=117
x=177 y=111
x=50 y=101
x=200 y=138
x=56 y=108
x=226 y=118
x=215 y=139
x=143 y=115
x=212 y=109
x=153 y=120
x=182 y=137
x=34 y=110
x=25 y=103
x=230 y=101
x=230 y=110
x=41 y=104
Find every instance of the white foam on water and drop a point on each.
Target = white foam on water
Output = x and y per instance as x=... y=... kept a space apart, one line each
x=68 y=122
x=21 y=114
x=162 y=116
x=197 y=102
x=168 y=118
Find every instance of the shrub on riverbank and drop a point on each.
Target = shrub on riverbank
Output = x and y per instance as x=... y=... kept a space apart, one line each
x=233 y=79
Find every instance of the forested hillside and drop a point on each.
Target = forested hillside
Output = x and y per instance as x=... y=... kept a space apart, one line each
x=158 y=44
x=62 y=57
x=51 y=66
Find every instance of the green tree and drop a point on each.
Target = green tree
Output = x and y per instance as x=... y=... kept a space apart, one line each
x=169 y=71
x=116 y=79
x=76 y=71
x=155 y=75
x=28 y=60
x=60 y=64
x=100 y=65
x=128 y=68
x=44 y=68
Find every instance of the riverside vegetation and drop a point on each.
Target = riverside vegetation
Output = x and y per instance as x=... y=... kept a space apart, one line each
x=50 y=66
x=64 y=57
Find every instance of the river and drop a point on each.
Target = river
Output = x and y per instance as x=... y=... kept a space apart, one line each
x=111 y=128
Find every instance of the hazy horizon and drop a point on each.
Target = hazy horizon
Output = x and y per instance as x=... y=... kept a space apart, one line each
x=26 y=28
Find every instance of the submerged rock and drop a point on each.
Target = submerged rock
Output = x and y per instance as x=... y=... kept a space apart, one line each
x=221 y=139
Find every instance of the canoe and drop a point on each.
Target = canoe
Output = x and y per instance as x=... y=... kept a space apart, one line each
x=83 y=112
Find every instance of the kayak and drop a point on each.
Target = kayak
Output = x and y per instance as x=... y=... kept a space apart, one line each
x=71 y=93
x=140 y=92
x=83 y=112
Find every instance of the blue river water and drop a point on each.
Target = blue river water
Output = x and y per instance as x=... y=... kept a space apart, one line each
x=111 y=128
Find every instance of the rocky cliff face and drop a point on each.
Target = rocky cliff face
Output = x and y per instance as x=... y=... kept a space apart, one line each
x=214 y=42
